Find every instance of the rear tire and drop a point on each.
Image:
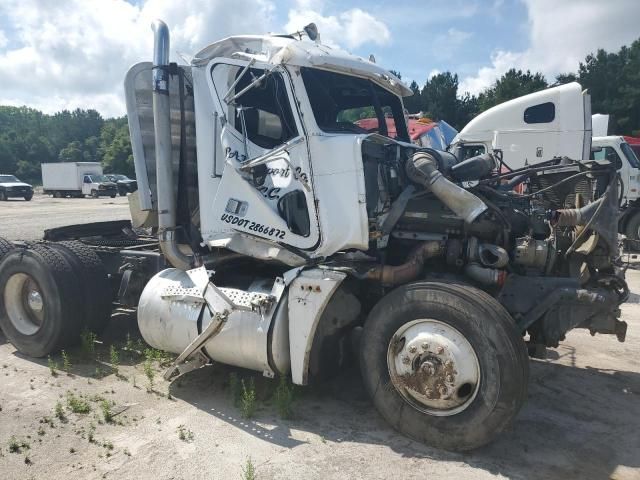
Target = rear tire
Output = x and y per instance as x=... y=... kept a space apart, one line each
x=28 y=197
x=57 y=194
x=5 y=247
x=632 y=231
x=95 y=287
x=414 y=387
x=3 y=197
x=39 y=301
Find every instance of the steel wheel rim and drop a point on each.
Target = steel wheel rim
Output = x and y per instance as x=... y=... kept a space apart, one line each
x=24 y=303
x=433 y=367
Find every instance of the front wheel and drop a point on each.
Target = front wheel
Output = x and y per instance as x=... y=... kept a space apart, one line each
x=28 y=197
x=444 y=364
x=94 y=194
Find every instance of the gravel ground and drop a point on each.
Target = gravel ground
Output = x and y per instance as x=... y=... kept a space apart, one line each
x=580 y=421
x=20 y=220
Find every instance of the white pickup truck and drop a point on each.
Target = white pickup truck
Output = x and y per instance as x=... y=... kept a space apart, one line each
x=555 y=122
x=76 y=179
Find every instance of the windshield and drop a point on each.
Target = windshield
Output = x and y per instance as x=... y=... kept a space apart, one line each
x=99 y=178
x=346 y=104
x=116 y=177
x=630 y=154
x=8 y=179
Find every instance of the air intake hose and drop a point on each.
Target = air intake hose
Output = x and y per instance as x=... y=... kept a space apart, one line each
x=422 y=168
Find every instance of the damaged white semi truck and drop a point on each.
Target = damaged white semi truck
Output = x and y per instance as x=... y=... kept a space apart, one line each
x=272 y=233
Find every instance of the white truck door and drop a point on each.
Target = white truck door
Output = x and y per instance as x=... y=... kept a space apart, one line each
x=552 y=123
x=86 y=185
x=265 y=188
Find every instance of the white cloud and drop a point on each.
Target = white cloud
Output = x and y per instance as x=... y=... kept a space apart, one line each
x=75 y=53
x=351 y=29
x=446 y=44
x=561 y=35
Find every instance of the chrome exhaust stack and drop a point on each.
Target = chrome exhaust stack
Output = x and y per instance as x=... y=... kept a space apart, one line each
x=166 y=200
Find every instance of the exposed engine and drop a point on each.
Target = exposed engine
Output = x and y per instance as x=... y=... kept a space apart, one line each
x=542 y=239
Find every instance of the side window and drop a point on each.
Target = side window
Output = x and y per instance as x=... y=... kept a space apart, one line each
x=263 y=110
x=468 y=151
x=87 y=179
x=605 y=153
x=542 y=113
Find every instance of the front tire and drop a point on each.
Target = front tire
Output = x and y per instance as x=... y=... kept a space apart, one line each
x=94 y=194
x=444 y=364
x=28 y=197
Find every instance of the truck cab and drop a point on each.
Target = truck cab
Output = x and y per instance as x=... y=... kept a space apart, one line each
x=555 y=122
x=615 y=149
x=98 y=185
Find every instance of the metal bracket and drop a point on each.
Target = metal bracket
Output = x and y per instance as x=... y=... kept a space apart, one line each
x=217 y=322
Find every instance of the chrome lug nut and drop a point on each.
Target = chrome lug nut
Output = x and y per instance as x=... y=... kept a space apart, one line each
x=406 y=360
x=425 y=346
x=412 y=349
x=440 y=350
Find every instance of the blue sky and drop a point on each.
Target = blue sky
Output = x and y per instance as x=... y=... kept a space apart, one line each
x=74 y=53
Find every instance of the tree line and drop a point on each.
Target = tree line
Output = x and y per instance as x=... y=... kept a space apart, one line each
x=29 y=137
x=612 y=79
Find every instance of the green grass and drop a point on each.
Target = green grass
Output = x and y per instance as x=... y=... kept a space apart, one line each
x=66 y=363
x=59 y=412
x=91 y=432
x=17 y=446
x=184 y=433
x=77 y=404
x=284 y=398
x=235 y=389
x=88 y=344
x=149 y=373
x=53 y=366
x=115 y=358
x=107 y=414
x=248 y=399
x=249 y=470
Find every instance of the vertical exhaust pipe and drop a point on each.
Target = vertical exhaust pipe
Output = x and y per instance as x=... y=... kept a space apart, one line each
x=166 y=200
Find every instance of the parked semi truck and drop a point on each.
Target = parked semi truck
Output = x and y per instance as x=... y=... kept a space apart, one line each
x=556 y=122
x=76 y=179
x=283 y=238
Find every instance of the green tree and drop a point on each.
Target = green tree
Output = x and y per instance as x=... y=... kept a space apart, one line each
x=440 y=97
x=72 y=152
x=513 y=84
x=413 y=104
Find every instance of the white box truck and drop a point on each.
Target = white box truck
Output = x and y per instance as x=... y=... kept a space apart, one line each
x=76 y=179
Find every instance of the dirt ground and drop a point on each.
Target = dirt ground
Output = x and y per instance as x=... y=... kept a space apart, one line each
x=580 y=421
x=20 y=220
